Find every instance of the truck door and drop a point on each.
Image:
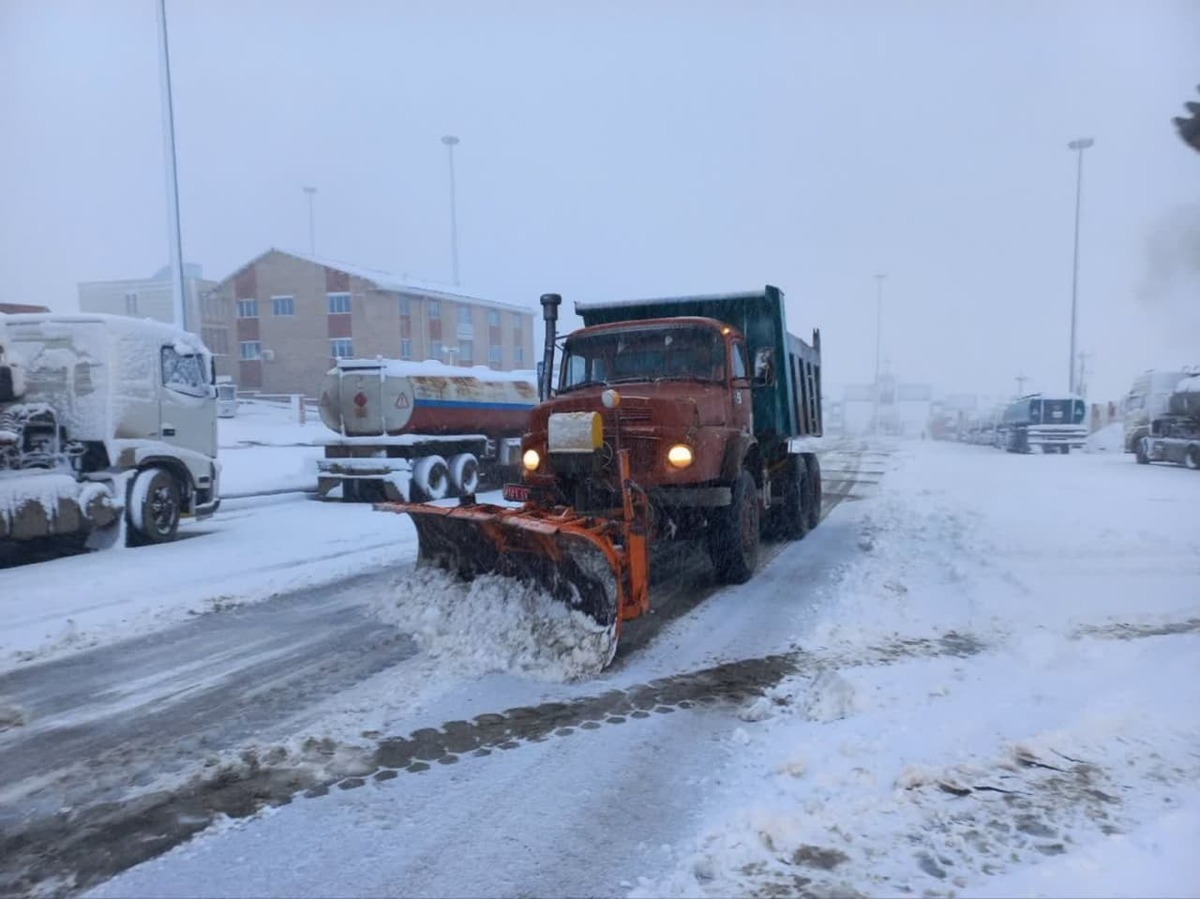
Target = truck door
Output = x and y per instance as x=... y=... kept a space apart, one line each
x=740 y=393
x=188 y=406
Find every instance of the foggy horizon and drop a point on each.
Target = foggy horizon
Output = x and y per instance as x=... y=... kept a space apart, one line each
x=619 y=151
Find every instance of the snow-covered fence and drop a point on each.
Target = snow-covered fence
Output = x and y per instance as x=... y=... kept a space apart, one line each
x=300 y=405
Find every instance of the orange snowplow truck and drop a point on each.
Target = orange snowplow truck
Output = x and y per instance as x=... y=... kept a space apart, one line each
x=678 y=418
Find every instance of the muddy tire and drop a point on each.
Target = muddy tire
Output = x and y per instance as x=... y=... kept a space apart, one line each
x=1139 y=452
x=788 y=516
x=154 y=506
x=815 y=493
x=733 y=535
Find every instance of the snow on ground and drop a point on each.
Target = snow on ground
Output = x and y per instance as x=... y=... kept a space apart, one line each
x=249 y=551
x=1060 y=759
x=1050 y=751
x=1109 y=439
x=266 y=448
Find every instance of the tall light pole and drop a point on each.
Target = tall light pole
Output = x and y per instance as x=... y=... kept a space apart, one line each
x=878 y=335
x=1078 y=145
x=174 y=232
x=312 y=222
x=451 y=141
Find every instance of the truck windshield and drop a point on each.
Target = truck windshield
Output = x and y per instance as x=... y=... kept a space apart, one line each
x=643 y=354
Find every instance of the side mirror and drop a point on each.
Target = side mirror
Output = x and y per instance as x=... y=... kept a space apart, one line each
x=764 y=367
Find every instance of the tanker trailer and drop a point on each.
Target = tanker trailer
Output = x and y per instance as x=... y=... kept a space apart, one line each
x=441 y=429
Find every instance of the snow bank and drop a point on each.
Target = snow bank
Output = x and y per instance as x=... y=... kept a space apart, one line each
x=1109 y=439
x=1058 y=760
x=496 y=624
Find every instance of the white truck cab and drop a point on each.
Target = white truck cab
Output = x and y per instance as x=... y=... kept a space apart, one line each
x=101 y=417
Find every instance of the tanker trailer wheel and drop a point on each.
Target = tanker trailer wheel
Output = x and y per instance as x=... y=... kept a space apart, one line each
x=733 y=534
x=464 y=473
x=152 y=511
x=430 y=479
x=1192 y=458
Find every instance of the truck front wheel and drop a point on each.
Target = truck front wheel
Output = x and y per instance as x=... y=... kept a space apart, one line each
x=733 y=534
x=153 y=508
x=1140 y=451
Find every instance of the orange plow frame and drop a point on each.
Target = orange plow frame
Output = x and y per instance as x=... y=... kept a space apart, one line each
x=598 y=565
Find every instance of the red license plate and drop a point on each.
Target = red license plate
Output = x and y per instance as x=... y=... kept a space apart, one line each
x=516 y=493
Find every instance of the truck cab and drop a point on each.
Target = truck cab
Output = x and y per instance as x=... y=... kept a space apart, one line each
x=711 y=397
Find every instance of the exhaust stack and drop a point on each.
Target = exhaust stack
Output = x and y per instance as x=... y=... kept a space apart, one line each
x=550 y=304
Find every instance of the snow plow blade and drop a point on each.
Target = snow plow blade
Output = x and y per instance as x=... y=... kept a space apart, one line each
x=574 y=558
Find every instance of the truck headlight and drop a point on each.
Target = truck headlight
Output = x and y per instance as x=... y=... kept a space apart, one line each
x=680 y=455
x=531 y=459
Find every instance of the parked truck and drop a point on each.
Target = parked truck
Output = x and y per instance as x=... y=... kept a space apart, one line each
x=1174 y=436
x=1050 y=422
x=442 y=430
x=1149 y=397
x=102 y=417
x=679 y=418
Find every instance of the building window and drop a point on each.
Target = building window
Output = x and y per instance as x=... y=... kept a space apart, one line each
x=464 y=315
x=405 y=309
x=435 y=310
x=493 y=318
x=518 y=354
x=283 y=305
x=341 y=348
x=466 y=351
x=405 y=348
x=251 y=350
x=435 y=350
x=495 y=354
x=131 y=304
x=339 y=304
x=247 y=308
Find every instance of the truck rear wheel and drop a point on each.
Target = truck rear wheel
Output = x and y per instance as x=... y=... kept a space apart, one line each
x=733 y=534
x=1140 y=453
x=815 y=497
x=1192 y=459
x=430 y=479
x=790 y=517
x=464 y=473
x=152 y=512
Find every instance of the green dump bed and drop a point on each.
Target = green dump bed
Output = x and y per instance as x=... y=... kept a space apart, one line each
x=791 y=407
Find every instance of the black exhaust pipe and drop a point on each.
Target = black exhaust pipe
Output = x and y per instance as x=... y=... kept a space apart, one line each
x=550 y=304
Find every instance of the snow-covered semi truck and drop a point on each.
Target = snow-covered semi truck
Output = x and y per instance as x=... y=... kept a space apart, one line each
x=1149 y=397
x=441 y=430
x=104 y=417
x=1175 y=435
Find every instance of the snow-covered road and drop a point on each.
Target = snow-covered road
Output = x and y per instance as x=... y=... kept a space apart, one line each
x=970 y=626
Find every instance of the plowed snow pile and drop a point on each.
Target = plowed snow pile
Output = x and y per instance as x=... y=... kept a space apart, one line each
x=495 y=624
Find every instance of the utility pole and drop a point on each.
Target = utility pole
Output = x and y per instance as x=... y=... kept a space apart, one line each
x=174 y=232
x=1078 y=146
x=1084 y=371
x=1021 y=379
x=878 y=335
x=312 y=222
x=451 y=142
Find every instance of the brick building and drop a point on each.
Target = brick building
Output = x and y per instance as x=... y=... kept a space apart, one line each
x=290 y=316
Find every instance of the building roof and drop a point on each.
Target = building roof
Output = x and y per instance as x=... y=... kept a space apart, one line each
x=18 y=308
x=388 y=281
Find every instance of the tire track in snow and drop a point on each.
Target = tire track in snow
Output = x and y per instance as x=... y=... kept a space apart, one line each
x=62 y=854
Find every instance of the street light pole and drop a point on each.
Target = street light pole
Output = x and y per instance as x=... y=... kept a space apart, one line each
x=451 y=141
x=312 y=222
x=174 y=232
x=878 y=335
x=1078 y=145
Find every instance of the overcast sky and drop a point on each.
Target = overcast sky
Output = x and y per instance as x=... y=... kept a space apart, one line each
x=613 y=150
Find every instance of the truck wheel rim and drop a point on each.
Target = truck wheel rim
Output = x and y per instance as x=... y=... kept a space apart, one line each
x=163 y=509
